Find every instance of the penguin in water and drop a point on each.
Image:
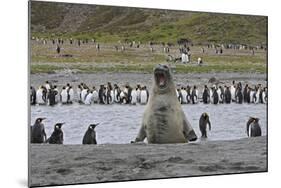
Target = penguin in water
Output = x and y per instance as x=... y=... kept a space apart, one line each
x=52 y=96
x=144 y=95
x=203 y=121
x=41 y=100
x=78 y=91
x=246 y=94
x=257 y=95
x=38 y=134
x=239 y=95
x=64 y=95
x=233 y=90
x=253 y=127
x=179 y=95
x=134 y=96
x=194 y=95
x=227 y=95
x=220 y=94
x=95 y=96
x=57 y=135
x=264 y=95
x=90 y=135
x=89 y=98
x=188 y=97
x=215 y=96
x=32 y=96
x=184 y=95
x=84 y=93
x=206 y=95
x=102 y=95
x=70 y=92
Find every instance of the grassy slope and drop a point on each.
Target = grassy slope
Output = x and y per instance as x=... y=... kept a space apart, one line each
x=110 y=24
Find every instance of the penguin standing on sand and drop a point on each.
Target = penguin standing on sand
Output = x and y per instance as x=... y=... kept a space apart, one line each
x=90 y=135
x=38 y=134
x=253 y=127
x=57 y=135
x=203 y=121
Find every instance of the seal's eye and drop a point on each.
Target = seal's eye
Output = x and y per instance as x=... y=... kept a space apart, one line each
x=165 y=66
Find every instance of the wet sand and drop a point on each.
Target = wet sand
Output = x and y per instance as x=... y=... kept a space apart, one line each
x=69 y=164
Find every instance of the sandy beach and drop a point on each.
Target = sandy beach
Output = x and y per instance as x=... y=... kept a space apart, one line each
x=71 y=164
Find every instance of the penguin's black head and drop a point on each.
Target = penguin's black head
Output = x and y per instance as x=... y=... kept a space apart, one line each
x=58 y=125
x=93 y=126
x=205 y=115
x=39 y=120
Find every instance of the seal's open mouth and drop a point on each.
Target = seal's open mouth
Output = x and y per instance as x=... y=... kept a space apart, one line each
x=161 y=79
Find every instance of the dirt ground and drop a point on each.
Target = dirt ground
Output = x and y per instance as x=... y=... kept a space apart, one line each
x=70 y=164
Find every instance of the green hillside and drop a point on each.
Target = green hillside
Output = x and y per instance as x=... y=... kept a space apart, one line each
x=111 y=24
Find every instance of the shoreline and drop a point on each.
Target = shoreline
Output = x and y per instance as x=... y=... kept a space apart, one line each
x=68 y=164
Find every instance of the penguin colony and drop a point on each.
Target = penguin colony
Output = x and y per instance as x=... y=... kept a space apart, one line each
x=49 y=94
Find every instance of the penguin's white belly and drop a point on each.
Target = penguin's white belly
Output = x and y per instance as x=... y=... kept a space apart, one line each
x=143 y=98
x=134 y=98
x=39 y=97
x=184 y=95
x=95 y=96
x=89 y=98
x=64 y=97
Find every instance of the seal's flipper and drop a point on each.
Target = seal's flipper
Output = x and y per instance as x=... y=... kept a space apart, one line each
x=141 y=135
x=188 y=131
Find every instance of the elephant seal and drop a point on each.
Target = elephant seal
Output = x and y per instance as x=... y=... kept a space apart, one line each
x=164 y=120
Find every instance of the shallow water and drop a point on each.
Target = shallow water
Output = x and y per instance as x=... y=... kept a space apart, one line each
x=120 y=123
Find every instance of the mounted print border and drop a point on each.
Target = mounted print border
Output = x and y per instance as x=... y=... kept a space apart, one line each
x=125 y=93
